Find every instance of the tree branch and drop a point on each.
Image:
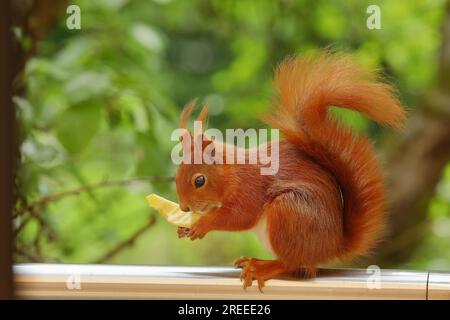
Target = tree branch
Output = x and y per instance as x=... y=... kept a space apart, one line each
x=126 y=243
x=42 y=202
x=33 y=207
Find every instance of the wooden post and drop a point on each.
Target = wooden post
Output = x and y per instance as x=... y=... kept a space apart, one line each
x=7 y=125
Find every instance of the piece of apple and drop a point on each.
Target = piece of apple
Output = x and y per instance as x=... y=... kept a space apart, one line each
x=171 y=211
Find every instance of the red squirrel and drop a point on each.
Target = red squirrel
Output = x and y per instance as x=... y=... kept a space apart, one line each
x=327 y=200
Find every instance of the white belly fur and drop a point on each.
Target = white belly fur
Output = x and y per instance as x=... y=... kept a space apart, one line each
x=261 y=231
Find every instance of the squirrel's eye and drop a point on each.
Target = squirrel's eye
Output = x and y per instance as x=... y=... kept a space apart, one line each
x=199 y=181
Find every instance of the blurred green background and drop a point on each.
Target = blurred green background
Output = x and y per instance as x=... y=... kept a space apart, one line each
x=100 y=103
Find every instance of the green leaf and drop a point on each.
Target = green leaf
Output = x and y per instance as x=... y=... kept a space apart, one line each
x=77 y=126
x=147 y=37
x=87 y=85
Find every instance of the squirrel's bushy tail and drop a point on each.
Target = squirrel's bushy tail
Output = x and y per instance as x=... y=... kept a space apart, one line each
x=306 y=88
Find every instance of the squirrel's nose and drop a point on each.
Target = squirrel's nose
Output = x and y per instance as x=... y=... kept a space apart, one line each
x=184 y=208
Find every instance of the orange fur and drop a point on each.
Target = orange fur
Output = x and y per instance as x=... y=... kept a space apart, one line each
x=327 y=200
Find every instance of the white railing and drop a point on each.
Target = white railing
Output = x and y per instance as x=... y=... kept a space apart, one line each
x=37 y=281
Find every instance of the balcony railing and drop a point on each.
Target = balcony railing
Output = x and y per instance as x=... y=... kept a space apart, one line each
x=37 y=281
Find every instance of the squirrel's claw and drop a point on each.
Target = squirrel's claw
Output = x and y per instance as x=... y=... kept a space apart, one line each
x=247 y=279
x=192 y=233
x=196 y=232
x=248 y=272
x=239 y=263
x=182 y=232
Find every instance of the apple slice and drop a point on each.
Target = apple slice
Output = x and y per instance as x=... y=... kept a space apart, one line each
x=171 y=211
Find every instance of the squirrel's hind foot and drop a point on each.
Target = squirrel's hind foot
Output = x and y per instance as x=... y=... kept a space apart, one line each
x=261 y=270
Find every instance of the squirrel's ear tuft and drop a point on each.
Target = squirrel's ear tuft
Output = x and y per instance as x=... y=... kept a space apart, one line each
x=203 y=115
x=186 y=113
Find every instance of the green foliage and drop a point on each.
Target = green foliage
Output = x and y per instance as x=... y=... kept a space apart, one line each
x=435 y=252
x=102 y=101
x=67 y=129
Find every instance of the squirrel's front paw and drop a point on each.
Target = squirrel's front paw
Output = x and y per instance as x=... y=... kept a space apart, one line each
x=182 y=232
x=197 y=231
